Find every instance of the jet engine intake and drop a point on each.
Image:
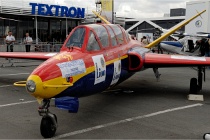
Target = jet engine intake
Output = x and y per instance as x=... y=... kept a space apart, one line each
x=136 y=59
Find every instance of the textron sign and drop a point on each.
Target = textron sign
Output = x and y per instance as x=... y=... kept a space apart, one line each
x=57 y=10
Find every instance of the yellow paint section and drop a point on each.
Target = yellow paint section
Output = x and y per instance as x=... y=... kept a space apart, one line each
x=102 y=18
x=106 y=5
x=63 y=56
x=44 y=92
x=20 y=84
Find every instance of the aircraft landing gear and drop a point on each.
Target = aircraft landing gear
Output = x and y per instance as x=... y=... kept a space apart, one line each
x=196 y=84
x=48 y=124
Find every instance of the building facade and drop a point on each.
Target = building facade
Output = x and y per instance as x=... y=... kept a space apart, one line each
x=44 y=22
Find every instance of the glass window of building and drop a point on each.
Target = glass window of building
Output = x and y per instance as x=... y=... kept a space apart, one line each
x=92 y=43
x=42 y=26
x=55 y=30
x=112 y=35
x=2 y=31
x=77 y=38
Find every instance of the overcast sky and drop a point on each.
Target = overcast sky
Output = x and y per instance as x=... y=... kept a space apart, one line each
x=127 y=8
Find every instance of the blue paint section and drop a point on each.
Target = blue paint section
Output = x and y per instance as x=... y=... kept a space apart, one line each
x=173 y=43
x=85 y=86
x=57 y=10
x=67 y=103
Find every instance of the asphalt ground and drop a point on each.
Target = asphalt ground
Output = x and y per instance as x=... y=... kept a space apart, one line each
x=139 y=108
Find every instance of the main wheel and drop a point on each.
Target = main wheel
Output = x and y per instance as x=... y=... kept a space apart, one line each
x=193 y=85
x=47 y=127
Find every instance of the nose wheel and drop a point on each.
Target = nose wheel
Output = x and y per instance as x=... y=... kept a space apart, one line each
x=48 y=124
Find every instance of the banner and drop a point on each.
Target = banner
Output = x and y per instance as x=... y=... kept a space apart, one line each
x=107 y=10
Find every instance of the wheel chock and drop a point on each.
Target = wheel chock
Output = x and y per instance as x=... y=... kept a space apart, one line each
x=195 y=97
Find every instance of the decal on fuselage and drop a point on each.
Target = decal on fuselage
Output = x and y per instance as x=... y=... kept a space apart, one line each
x=63 y=56
x=100 y=68
x=188 y=57
x=117 y=72
x=72 y=68
x=50 y=54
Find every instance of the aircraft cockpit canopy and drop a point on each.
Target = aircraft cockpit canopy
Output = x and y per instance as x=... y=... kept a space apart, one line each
x=101 y=34
x=77 y=38
x=107 y=34
x=94 y=37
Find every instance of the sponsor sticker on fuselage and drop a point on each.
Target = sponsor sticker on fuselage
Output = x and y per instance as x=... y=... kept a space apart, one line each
x=117 y=72
x=72 y=68
x=100 y=68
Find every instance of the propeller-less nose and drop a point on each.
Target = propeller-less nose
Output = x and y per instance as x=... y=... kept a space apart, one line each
x=47 y=89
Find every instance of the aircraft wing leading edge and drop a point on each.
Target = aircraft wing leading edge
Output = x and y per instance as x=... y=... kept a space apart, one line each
x=27 y=55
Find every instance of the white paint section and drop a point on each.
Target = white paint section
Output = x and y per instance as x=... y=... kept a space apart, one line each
x=19 y=103
x=50 y=54
x=100 y=68
x=125 y=120
x=188 y=58
x=3 y=75
x=117 y=72
x=72 y=68
x=5 y=86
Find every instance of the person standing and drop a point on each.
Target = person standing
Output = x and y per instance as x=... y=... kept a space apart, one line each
x=144 y=41
x=28 y=40
x=10 y=39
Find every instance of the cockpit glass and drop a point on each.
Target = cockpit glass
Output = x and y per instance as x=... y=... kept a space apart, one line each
x=77 y=38
x=92 y=43
x=101 y=33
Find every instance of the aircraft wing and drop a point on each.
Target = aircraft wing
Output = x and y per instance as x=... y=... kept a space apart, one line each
x=164 y=60
x=27 y=55
x=152 y=44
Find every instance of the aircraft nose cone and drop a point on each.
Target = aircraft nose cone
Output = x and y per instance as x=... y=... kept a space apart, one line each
x=46 y=89
x=34 y=86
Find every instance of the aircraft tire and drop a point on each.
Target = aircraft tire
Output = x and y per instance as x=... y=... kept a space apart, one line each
x=47 y=127
x=193 y=85
x=206 y=136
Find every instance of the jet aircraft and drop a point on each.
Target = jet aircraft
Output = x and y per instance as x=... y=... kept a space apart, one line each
x=191 y=45
x=93 y=58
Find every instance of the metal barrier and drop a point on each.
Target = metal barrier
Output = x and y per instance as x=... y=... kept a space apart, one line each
x=34 y=48
x=21 y=48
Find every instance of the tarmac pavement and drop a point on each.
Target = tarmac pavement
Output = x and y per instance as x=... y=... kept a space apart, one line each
x=139 y=108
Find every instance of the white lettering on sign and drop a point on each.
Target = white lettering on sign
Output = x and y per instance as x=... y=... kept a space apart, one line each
x=72 y=68
x=117 y=72
x=100 y=68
